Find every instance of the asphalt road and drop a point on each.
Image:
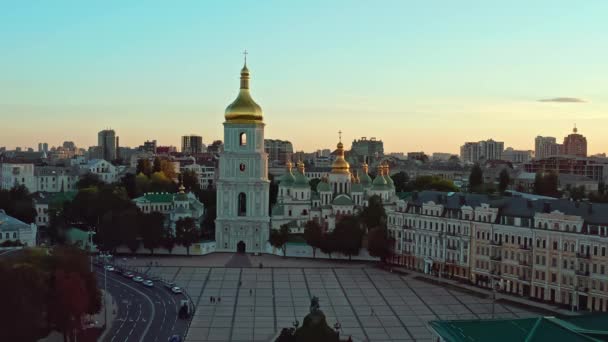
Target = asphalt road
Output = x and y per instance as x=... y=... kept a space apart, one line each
x=144 y=314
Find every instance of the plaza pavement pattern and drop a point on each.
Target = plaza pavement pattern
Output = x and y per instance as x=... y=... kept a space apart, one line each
x=253 y=304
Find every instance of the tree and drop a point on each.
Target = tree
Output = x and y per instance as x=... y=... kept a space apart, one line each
x=328 y=244
x=168 y=168
x=273 y=192
x=279 y=238
x=108 y=233
x=374 y=214
x=378 y=243
x=190 y=180
x=313 y=183
x=24 y=301
x=89 y=180
x=143 y=167
x=546 y=184
x=475 y=178
x=18 y=203
x=186 y=233
x=129 y=182
x=400 y=179
x=577 y=193
x=69 y=300
x=348 y=235
x=151 y=230
x=159 y=182
x=503 y=180
x=157 y=167
x=168 y=239
x=313 y=234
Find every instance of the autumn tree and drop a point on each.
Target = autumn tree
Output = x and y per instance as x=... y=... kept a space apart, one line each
x=379 y=243
x=186 y=233
x=313 y=234
x=279 y=238
x=151 y=230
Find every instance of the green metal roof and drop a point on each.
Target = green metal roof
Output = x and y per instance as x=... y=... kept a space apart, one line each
x=287 y=179
x=301 y=181
x=156 y=197
x=538 y=329
x=357 y=187
x=342 y=200
x=323 y=187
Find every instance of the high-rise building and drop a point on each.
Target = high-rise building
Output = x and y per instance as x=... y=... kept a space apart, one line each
x=43 y=147
x=279 y=151
x=106 y=140
x=473 y=152
x=545 y=147
x=148 y=146
x=517 y=156
x=192 y=144
x=243 y=221
x=69 y=145
x=364 y=149
x=575 y=144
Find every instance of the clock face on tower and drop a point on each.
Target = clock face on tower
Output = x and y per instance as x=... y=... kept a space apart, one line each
x=242 y=167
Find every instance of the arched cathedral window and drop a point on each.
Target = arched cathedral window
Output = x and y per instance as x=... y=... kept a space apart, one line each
x=242 y=205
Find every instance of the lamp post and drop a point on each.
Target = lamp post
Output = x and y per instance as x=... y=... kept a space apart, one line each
x=337 y=327
x=105 y=296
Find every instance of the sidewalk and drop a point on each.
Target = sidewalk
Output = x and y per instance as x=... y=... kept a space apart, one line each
x=542 y=308
x=112 y=313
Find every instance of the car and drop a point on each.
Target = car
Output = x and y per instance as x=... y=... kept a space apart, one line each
x=138 y=279
x=109 y=268
x=148 y=283
x=176 y=289
x=128 y=274
x=170 y=286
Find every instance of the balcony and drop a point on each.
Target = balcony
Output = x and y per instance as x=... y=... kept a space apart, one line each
x=408 y=227
x=582 y=273
x=524 y=263
x=523 y=278
x=583 y=255
x=582 y=289
x=450 y=233
x=495 y=243
x=496 y=257
x=525 y=247
x=408 y=240
x=454 y=248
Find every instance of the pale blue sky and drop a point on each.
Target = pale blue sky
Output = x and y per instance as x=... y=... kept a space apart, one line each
x=424 y=75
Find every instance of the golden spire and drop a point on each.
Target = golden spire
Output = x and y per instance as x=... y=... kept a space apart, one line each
x=289 y=165
x=301 y=166
x=340 y=165
x=244 y=109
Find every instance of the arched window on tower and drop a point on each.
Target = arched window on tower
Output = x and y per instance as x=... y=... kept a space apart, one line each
x=242 y=204
x=243 y=139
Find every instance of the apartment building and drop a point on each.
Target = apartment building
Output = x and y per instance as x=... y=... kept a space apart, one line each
x=550 y=250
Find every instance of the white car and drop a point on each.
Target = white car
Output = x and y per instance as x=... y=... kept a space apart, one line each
x=138 y=279
x=109 y=268
x=176 y=289
x=148 y=283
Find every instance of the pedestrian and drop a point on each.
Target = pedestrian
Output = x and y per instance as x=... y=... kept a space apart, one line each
x=371 y=312
x=219 y=299
x=250 y=292
x=210 y=299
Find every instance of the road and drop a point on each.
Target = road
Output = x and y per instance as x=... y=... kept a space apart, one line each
x=144 y=314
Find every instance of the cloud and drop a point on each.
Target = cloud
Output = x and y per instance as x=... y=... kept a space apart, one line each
x=563 y=99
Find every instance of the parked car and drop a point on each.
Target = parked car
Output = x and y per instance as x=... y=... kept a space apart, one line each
x=128 y=274
x=109 y=268
x=176 y=289
x=148 y=283
x=170 y=286
x=138 y=279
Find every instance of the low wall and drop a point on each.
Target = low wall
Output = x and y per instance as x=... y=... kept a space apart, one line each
x=202 y=248
x=302 y=250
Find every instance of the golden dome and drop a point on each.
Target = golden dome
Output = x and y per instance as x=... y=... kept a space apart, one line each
x=244 y=109
x=340 y=165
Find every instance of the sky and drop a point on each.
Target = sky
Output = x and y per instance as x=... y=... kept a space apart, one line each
x=420 y=75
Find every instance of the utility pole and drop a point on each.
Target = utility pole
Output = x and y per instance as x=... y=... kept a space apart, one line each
x=105 y=295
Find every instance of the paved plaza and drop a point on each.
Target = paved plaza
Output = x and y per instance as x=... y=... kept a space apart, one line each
x=253 y=304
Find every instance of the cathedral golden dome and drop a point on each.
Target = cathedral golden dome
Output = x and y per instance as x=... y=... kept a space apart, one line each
x=340 y=165
x=244 y=109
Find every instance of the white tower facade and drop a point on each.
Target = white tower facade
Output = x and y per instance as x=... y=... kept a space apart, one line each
x=243 y=221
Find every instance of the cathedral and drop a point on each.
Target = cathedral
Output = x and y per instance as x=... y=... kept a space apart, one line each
x=341 y=193
x=242 y=222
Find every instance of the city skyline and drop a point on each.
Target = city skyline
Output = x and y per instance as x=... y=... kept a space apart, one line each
x=418 y=77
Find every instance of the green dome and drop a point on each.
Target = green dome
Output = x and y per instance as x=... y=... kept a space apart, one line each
x=287 y=179
x=301 y=180
x=366 y=180
x=323 y=187
x=380 y=183
x=389 y=181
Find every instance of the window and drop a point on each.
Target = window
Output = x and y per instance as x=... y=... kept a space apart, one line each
x=243 y=139
x=242 y=205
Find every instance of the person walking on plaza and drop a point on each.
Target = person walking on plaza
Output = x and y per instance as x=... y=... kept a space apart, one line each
x=219 y=299
x=250 y=292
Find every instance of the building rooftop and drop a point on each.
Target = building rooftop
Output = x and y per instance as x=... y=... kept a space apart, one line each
x=538 y=329
x=11 y=224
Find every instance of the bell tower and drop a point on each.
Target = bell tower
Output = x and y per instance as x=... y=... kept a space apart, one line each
x=243 y=222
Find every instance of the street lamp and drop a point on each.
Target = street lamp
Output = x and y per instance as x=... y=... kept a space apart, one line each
x=337 y=327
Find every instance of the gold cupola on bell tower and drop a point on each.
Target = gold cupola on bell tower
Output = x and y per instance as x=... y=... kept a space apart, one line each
x=244 y=109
